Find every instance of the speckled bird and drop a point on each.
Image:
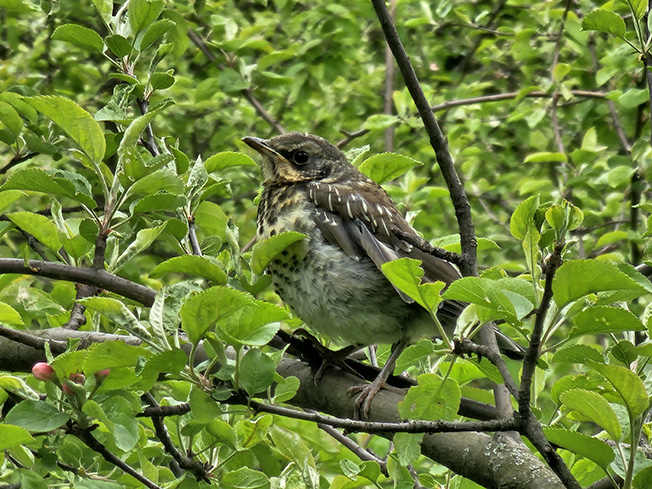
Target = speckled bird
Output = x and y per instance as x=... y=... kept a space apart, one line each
x=332 y=280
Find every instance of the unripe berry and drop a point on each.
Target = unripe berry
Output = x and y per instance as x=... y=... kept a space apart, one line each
x=77 y=378
x=100 y=375
x=42 y=371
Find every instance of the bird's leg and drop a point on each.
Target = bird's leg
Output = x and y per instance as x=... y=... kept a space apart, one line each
x=369 y=391
x=328 y=356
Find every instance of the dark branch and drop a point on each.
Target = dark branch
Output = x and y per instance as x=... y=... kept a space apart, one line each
x=89 y=276
x=437 y=140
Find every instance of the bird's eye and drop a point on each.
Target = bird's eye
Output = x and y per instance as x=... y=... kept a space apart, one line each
x=300 y=157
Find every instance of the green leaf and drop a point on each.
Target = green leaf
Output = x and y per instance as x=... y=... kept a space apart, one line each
x=112 y=354
x=12 y=436
x=483 y=292
x=627 y=385
x=138 y=125
x=118 y=45
x=117 y=312
x=643 y=479
x=160 y=201
x=405 y=274
x=576 y=354
x=153 y=33
x=18 y=387
x=9 y=315
x=163 y=180
x=36 y=416
x=384 y=167
x=587 y=446
x=546 y=157
x=577 y=278
x=78 y=124
x=8 y=197
x=378 y=122
x=203 y=406
x=251 y=432
x=256 y=372
x=253 y=325
x=407 y=447
x=523 y=217
x=144 y=238
x=638 y=7
x=285 y=388
x=433 y=398
x=231 y=82
x=605 y=319
x=79 y=36
x=604 y=21
x=634 y=97
x=595 y=407
x=142 y=13
x=227 y=159
x=10 y=118
x=191 y=265
x=200 y=312
x=38 y=226
x=264 y=251
x=161 y=81
x=245 y=478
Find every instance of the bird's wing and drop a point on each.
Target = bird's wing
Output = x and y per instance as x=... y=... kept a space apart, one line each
x=360 y=218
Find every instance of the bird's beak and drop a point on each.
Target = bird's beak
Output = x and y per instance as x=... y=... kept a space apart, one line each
x=275 y=166
x=262 y=147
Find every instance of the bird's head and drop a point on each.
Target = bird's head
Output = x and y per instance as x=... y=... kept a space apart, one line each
x=299 y=157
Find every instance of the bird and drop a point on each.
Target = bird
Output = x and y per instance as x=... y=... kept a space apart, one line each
x=332 y=280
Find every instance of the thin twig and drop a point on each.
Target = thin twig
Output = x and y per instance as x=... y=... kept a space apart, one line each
x=361 y=453
x=423 y=245
x=94 y=444
x=466 y=346
x=149 y=141
x=199 y=470
x=388 y=103
x=437 y=140
x=192 y=237
x=498 y=97
x=17 y=159
x=247 y=93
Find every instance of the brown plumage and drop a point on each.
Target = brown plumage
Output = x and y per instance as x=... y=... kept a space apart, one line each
x=332 y=280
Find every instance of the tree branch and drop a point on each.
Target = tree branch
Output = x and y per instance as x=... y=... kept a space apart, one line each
x=438 y=142
x=89 y=276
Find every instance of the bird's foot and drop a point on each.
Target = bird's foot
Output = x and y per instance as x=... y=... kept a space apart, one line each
x=328 y=356
x=366 y=394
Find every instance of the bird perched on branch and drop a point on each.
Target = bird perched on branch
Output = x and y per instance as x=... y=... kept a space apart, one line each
x=332 y=280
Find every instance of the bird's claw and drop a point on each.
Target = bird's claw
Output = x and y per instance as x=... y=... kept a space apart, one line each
x=328 y=356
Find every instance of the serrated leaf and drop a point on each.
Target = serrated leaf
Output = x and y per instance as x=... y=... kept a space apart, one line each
x=112 y=354
x=628 y=386
x=587 y=446
x=10 y=118
x=227 y=159
x=266 y=250
x=36 y=416
x=595 y=407
x=38 y=226
x=576 y=354
x=387 y=166
x=154 y=32
x=18 y=387
x=577 y=278
x=12 y=436
x=142 y=13
x=144 y=238
x=605 y=319
x=78 y=124
x=433 y=398
x=483 y=292
x=118 y=45
x=117 y=312
x=192 y=265
x=79 y=36
x=256 y=372
x=9 y=315
x=604 y=21
x=163 y=180
x=405 y=274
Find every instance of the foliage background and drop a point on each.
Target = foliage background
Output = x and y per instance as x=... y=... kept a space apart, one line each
x=561 y=112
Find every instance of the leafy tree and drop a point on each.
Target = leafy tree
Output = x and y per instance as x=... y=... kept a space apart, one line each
x=140 y=340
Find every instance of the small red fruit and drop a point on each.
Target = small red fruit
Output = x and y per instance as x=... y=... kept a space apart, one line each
x=100 y=375
x=42 y=371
